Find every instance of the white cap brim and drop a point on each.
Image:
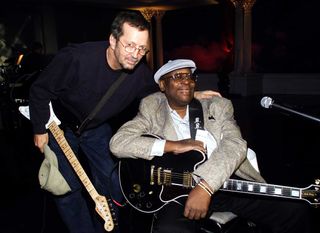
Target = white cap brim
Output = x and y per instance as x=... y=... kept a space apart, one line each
x=174 y=65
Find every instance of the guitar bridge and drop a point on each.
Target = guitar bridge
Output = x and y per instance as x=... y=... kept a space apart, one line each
x=187 y=179
x=167 y=177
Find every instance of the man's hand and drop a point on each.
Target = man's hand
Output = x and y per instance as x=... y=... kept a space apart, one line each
x=178 y=147
x=205 y=94
x=197 y=204
x=40 y=140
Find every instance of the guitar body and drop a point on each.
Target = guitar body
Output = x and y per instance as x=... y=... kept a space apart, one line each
x=150 y=184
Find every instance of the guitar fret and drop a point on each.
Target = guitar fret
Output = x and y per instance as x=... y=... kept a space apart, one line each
x=86 y=182
x=72 y=159
x=256 y=188
x=238 y=186
x=295 y=193
x=263 y=189
x=80 y=172
x=278 y=191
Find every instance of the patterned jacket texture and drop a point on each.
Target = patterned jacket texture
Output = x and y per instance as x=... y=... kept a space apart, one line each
x=153 y=117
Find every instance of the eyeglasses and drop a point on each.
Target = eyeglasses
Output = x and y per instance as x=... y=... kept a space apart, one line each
x=130 y=48
x=179 y=77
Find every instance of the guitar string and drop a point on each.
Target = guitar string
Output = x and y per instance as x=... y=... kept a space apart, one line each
x=231 y=184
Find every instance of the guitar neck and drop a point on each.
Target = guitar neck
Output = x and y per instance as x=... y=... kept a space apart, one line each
x=250 y=187
x=72 y=158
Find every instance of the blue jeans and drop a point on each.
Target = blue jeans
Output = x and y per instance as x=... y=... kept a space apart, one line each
x=76 y=210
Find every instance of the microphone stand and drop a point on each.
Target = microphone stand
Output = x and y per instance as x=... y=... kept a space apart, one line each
x=296 y=112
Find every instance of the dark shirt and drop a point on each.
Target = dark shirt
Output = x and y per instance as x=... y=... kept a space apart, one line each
x=77 y=78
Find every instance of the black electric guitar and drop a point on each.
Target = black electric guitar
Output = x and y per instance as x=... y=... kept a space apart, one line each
x=148 y=185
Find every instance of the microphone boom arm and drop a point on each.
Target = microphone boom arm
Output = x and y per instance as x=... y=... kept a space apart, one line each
x=268 y=102
x=296 y=112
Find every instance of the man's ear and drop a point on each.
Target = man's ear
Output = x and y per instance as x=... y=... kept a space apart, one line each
x=162 y=85
x=112 y=41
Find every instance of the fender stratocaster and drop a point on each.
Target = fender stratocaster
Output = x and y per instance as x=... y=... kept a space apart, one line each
x=101 y=203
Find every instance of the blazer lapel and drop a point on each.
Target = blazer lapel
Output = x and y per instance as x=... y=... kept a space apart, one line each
x=168 y=130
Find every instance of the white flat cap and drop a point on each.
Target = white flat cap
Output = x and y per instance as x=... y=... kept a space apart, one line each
x=174 y=65
x=49 y=175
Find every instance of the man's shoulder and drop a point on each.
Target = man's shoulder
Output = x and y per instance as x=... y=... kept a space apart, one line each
x=155 y=97
x=89 y=44
x=153 y=100
x=85 y=47
x=215 y=100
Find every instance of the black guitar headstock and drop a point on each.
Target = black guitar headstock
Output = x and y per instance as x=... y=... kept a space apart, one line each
x=311 y=193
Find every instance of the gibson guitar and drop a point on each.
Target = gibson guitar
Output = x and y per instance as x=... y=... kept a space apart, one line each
x=101 y=203
x=148 y=185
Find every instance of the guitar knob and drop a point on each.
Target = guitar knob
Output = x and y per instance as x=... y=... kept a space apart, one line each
x=148 y=205
x=142 y=194
x=136 y=188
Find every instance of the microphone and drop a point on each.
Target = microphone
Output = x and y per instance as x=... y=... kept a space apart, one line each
x=268 y=102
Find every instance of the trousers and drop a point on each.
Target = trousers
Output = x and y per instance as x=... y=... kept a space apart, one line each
x=76 y=209
x=270 y=215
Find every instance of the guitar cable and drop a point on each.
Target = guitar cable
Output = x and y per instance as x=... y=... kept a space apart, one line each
x=117 y=203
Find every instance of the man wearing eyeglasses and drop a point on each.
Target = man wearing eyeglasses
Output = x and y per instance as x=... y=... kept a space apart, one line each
x=75 y=81
x=183 y=126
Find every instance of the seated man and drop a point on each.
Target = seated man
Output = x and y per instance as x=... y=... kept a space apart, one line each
x=169 y=114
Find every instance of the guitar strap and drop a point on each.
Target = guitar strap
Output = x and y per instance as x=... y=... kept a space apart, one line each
x=102 y=101
x=195 y=117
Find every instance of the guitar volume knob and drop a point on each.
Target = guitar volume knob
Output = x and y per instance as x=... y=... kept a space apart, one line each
x=148 y=204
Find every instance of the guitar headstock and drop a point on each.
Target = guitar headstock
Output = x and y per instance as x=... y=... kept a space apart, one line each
x=102 y=208
x=24 y=110
x=311 y=193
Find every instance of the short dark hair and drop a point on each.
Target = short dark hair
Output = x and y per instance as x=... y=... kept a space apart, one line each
x=133 y=18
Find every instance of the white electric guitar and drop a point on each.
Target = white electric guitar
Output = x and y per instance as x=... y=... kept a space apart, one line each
x=102 y=205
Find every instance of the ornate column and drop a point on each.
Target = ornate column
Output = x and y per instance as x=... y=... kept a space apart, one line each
x=159 y=36
x=242 y=80
x=243 y=35
x=148 y=14
x=239 y=36
x=247 y=51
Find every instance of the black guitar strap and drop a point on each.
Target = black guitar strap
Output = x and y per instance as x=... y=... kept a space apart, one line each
x=102 y=101
x=195 y=117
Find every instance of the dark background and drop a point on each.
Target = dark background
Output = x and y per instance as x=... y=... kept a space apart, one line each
x=285 y=34
x=285 y=40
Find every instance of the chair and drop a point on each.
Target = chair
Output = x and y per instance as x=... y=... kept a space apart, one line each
x=223 y=222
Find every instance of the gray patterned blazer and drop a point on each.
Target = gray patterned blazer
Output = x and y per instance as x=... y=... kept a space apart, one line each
x=154 y=118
